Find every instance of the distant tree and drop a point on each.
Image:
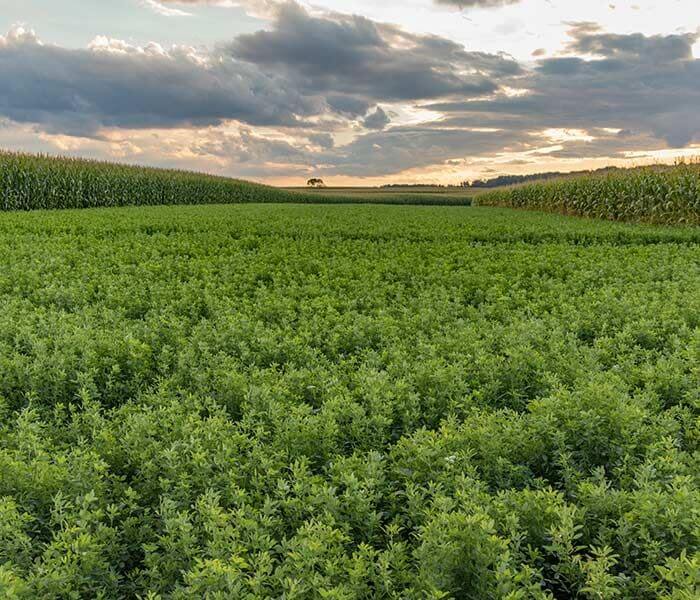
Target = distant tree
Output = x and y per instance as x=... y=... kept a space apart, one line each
x=315 y=182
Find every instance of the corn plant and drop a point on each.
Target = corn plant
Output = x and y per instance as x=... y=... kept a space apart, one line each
x=652 y=194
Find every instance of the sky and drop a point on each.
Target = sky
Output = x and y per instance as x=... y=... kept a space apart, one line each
x=356 y=92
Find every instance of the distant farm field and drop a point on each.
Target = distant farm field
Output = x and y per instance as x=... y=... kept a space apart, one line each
x=410 y=194
x=304 y=401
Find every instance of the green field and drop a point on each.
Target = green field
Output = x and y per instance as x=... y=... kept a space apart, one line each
x=341 y=402
x=425 y=195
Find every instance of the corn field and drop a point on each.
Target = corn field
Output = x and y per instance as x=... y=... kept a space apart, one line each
x=29 y=182
x=668 y=195
x=38 y=181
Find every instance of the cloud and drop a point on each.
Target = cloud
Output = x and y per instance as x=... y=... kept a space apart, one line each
x=377 y=120
x=477 y=3
x=303 y=67
x=258 y=8
x=350 y=106
x=245 y=146
x=374 y=154
x=114 y=84
x=323 y=140
x=649 y=84
x=161 y=9
x=354 y=57
x=404 y=147
x=657 y=49
x=377 y=153
x=267 y=103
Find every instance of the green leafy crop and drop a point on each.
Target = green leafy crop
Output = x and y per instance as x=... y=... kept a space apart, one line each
x=347 y=402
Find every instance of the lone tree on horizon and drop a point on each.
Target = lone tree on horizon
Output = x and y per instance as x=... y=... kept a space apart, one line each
x=315 y=182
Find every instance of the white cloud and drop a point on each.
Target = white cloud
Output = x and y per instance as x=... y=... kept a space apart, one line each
x=163 y=10
x=263 y=9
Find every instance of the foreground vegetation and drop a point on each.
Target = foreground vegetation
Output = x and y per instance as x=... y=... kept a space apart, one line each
x=347 y=402
x=658 y=194
x=44 y=182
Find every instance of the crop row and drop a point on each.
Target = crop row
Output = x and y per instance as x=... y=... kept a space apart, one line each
x=654 y=194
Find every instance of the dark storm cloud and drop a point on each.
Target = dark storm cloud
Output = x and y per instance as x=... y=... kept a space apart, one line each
x=354 y=56
x=643 y=83
x=115 y=85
